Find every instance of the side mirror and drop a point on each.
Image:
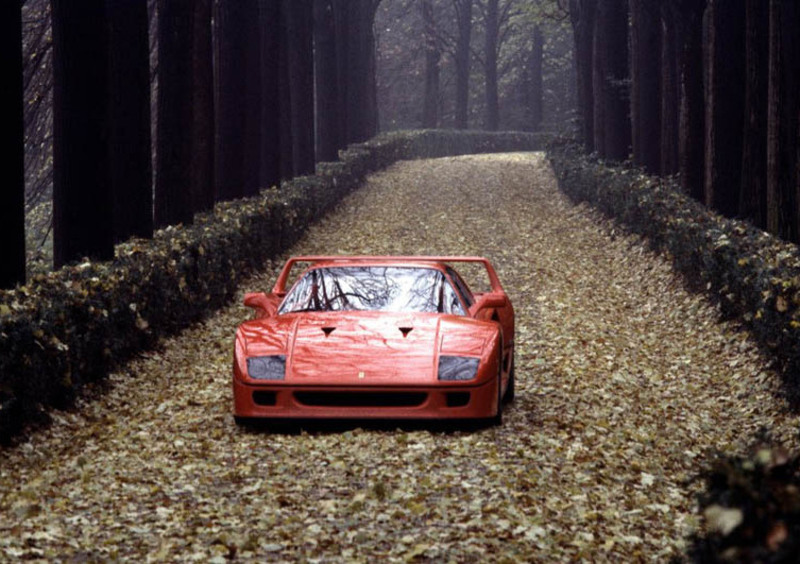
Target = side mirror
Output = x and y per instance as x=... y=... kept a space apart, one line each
x=259 y=301
x=488 y=301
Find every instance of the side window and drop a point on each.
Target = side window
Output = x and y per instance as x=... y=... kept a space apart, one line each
x=462 y=287
x=452 y=304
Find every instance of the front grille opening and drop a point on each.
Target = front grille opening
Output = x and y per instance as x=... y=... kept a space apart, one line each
x=361 y=399
x=457 y=399
x=261 y=397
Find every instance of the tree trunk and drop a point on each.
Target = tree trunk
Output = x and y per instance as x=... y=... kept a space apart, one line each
x=301 y=82
x=646 y=85
x=535 y=111
x=173 y=198
x=491 y=31
x=286 y=158
x=327 y=86
x=752 y=203
x=599 y=84
x=617 y=112
x=269 y=15
x=82 y=209
x=669 y=94
x=583 y=15
x=12 y=158
x=356 y=40
x=202 y=169
x=130 y=146
x=612 y=97
x=251 y=129
x=688 y=19
x=463 y=10
x=724 y=104
x=232 y=103
x=782 y=134
x=430 y=102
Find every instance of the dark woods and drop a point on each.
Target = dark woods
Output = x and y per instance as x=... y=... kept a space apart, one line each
x=483 y=64
x=157 y=109
x=232 y=91
x=713 y=90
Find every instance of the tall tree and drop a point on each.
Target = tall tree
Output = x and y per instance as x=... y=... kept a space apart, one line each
x=130 y=143
x=752 y=203
x=253 y=107
x=285 y=126
x=433 y=54
x=270 y=18
x=535 y=92
x=327 y=87
x=669 y=93
x=724 y=105
x=12 y=161
x=173 y=193
x=82 y=209
x=356 y=44
x=784 y=98
x=599 y=76
x=646 y=84
x=203 y=161
x=688 y=21
x=463 y=9
x=612 y=109
x=491 y=24
x=299 y=29
x=232 y=34
x=582 y=16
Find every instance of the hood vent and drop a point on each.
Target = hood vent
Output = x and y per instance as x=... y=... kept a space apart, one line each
x=328 y=330
x=405 y=330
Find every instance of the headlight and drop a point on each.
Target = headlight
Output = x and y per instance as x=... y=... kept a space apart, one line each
x=457 y=367
x=267 y=367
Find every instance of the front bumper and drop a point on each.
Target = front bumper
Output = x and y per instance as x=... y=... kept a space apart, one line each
x=281 y=401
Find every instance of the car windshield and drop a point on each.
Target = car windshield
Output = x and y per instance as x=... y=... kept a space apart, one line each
x=373 y=288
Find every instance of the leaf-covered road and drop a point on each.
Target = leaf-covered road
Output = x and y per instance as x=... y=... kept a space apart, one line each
x=625 y=380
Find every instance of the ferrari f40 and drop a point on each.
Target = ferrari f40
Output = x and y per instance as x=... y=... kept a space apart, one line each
x=366 y=337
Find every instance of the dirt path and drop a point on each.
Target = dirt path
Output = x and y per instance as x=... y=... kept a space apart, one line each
x=624 y=379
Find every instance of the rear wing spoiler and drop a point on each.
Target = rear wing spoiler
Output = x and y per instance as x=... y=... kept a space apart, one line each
x=280 y=285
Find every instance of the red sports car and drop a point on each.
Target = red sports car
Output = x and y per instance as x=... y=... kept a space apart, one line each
x=376 y=337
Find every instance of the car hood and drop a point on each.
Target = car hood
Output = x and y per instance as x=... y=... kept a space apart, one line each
x=364 y=347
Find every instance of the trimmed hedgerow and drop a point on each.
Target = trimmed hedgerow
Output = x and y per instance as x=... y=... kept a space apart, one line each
x=74 y=325
x=752 y=274
x=751 y=507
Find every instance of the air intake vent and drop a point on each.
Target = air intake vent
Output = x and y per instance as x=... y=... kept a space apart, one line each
x=361 y=399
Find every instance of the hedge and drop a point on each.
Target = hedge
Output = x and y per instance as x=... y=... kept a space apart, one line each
x=751 y=507
x=74 y=325
x=753 y=275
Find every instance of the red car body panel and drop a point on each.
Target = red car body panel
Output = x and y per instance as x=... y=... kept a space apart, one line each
x=375 y=364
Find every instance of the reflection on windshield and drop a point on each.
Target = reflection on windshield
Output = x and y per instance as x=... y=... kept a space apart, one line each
x=373 y=288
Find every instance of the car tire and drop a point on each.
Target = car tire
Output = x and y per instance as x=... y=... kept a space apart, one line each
x=510 y=389
x=497 y=420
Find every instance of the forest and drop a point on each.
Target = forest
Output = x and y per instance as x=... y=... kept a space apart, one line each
x=706 y=91
x=632 y=167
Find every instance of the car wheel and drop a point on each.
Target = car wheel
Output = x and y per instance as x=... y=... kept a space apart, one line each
x=510 y=393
